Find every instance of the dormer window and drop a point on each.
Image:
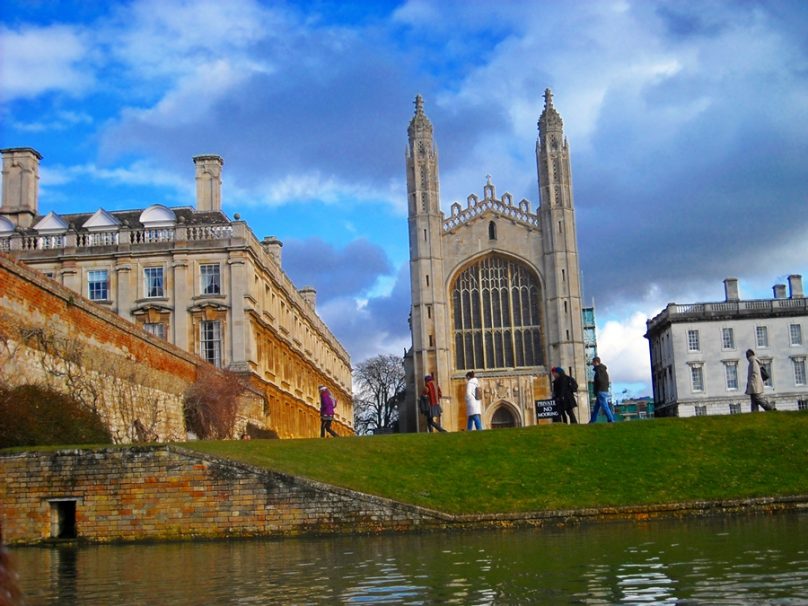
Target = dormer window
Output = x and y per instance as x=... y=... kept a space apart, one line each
x=102 y=229
x=6 y=227
x=158 y=222
x=51 y=229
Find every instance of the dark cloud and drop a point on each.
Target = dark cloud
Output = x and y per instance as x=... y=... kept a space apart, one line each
x=335 y=272
x=380 y=326
x=689 y=203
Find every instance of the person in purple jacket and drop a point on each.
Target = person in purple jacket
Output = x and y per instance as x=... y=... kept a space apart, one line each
x=327 y=405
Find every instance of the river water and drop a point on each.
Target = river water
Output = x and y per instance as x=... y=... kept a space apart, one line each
x=734 y=560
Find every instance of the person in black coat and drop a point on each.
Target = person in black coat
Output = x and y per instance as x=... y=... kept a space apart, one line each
x=564 y=388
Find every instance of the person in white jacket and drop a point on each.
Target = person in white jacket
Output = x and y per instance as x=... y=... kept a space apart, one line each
x=754 y=384
x=474 y=404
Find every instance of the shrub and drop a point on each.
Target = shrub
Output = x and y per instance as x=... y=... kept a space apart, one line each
x=31 y=415
x=261 y=434
x=211 y=403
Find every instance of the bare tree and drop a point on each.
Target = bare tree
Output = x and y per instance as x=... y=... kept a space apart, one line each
x=211 y=403
x=380 y=387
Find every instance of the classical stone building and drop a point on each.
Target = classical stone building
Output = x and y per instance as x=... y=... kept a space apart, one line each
x=191 y=276
x=698 y=352
x=495 y=285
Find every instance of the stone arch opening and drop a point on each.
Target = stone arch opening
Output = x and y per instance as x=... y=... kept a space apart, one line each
x=504 y=416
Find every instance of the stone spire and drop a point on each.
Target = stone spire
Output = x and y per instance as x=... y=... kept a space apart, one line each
x=550 y=119
x=420 y=126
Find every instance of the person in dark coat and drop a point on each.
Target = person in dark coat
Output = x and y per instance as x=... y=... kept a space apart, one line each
x=601 y=392
x=564 y=388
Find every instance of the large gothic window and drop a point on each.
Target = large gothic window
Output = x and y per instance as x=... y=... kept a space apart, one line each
x=495 y=303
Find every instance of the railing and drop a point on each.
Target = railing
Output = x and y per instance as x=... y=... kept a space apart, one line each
x=698 y=311
x=103 y=238
x=179 y=233
x=147 y=236
x=209 y=232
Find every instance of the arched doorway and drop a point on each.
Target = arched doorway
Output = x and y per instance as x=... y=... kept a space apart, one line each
x=503 y=417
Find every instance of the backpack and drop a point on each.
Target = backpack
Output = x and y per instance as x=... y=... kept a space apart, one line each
x=764 y=374
x=423 y=404
x=478 y=393
x=573 y=385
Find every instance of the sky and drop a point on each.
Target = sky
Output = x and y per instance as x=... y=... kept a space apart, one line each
x=687 y=123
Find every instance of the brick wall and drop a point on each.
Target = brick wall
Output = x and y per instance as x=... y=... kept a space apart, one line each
x=167 y=493
x=50 y=335
x=163 y=492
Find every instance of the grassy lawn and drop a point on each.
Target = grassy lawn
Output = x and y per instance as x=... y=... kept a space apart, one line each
x=556 y=466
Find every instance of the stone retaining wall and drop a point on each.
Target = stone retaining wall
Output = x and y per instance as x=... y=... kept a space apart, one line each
x=163 y=492
x=167 y=493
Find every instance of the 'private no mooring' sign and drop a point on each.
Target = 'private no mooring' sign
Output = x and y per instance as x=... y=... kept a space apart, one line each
x=546 y=409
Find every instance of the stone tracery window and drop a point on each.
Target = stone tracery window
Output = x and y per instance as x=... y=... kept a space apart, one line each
x=495 y=303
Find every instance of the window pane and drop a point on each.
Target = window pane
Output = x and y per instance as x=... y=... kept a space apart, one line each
x=155 y=328
x=211 y=284
x=487 y=297
x=732 y=375
x=795 y=331
x=154 y=281
x=768 y=367
x=799 y=372
x=97 y=288
x=696 y=378
x=210 y=340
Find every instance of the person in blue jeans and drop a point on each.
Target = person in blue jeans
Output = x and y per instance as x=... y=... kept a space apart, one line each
x=474 y=405
x=601 y=392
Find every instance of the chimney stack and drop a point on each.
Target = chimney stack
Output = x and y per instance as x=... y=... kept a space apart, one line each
x=272 y=246
x=731 y=289
x=779 y=291
x=309 y=294
x=795 y=286
x=208 y=183
x=20 y=184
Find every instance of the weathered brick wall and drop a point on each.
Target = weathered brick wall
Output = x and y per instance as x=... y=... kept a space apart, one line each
x=50 y=335
x=163 y=492
x=167 y=493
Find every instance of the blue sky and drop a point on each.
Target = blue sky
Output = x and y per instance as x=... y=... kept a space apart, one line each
x=687 y=121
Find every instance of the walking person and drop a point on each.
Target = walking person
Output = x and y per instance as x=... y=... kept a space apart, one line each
x=431 y=405
x=601 y=392
x=564 y=388
x=474 y=402
x=327 y=406
x=754 y=383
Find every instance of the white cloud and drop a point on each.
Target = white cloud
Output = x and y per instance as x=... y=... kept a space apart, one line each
x=36 y=60
x=192 y=96
x=60 y=121
x=169 y=38
x=624 y=350
x=314 y=186
x=137 y=173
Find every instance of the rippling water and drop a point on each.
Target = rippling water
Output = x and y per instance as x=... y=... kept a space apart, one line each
x=746 y=560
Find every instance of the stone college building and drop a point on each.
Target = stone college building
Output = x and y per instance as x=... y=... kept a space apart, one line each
x=495 y=285
x=191 y=276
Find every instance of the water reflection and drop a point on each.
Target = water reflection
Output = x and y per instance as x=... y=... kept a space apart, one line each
x=756 y=560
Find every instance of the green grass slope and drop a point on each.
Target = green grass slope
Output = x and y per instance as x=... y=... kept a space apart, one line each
x=557 y=466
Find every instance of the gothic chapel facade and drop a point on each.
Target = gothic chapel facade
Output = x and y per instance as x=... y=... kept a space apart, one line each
x=495 y=287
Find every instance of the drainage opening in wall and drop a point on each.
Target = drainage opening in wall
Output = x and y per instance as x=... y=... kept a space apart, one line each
x=63 y=518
